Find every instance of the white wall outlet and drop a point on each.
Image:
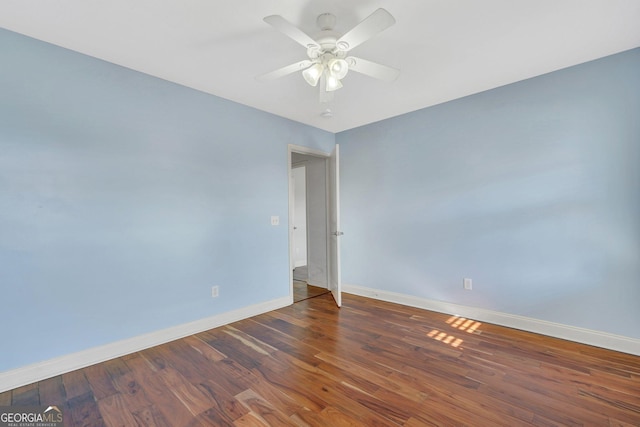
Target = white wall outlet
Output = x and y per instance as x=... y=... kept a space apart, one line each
x=467 y=284
x=275 y=220
x=215 y=291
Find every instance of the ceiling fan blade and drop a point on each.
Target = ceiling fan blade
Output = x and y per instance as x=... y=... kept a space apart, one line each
x=295 y=33
x=375 y=23
x=372 y=69
x=281 y=72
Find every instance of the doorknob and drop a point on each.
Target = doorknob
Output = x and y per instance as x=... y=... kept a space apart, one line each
x=337 y=233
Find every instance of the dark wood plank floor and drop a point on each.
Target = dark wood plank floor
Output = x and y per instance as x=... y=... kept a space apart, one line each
x=369 y=363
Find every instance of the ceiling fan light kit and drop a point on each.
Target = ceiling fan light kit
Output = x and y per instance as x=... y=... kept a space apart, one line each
x=333 y=68
x=327 y=61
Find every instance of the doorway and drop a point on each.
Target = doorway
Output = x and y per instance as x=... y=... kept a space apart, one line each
x=312 y=182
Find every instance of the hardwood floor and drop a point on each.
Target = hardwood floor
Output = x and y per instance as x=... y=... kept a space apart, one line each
x=369 y=363
x=302 y=291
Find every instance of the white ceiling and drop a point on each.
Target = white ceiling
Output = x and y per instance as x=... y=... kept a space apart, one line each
x=446 y=49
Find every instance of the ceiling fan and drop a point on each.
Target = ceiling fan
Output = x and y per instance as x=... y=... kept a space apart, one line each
x=327 y=61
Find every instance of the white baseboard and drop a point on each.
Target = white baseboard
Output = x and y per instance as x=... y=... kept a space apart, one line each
x=557 y=330
x=60 y=365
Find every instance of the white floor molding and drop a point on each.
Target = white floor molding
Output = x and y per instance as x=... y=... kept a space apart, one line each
x=557 y=330
x=60 y=365
x=50 y=368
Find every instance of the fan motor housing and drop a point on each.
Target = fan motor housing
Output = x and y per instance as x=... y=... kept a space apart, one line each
x=326 y=21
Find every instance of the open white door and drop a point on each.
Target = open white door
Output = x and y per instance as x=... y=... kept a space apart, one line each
x=334 y=225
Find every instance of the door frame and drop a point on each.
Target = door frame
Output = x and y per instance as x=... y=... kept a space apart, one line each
x=292 y=148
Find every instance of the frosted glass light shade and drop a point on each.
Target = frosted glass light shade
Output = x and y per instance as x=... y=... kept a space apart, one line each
x=338 y=67
x=333 y=83
x=312 y=74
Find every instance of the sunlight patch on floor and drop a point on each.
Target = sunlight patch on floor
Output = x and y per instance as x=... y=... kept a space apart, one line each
x=460 y=323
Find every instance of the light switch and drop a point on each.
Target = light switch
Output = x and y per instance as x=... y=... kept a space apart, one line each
x=275 y=220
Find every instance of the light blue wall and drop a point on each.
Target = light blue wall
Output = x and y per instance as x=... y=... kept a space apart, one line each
x=532 y=190
x=124 y=198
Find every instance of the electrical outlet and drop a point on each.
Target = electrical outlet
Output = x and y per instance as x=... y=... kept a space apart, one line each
x=467 y=284
x=275 y=220
x=215 y=291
